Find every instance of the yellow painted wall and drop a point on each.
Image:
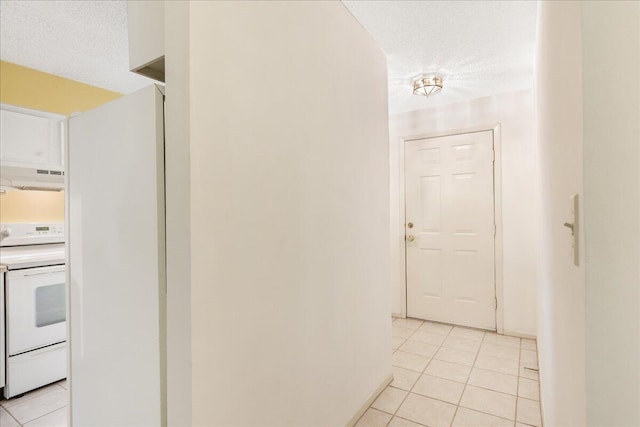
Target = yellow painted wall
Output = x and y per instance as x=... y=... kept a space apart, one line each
x=34 y=89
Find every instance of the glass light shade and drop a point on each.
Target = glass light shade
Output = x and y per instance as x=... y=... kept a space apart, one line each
x=427 y=85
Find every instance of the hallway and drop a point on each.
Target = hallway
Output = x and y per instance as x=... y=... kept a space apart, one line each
x=453 y=376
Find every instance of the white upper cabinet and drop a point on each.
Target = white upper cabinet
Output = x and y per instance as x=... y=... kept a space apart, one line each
x=146 y=38
x=31 y=138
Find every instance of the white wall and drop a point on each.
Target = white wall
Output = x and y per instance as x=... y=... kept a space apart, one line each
x=588 y=100
x=611 y=54
x=514 y=112
x=288 y=214
x=561 y=285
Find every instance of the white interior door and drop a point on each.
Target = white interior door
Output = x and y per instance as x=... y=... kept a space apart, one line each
x=116 y=263
x=450 y=229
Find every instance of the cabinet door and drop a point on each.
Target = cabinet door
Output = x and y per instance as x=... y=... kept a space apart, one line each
x=146 y=38
x=31 y=139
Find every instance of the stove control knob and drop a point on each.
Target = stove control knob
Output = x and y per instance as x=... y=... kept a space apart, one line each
x=4 y=233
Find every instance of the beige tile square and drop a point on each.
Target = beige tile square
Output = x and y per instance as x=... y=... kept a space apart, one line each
x=504 y=366
x=398 y=332
x=439 y=388
x=408 y=323
x=463 y=344
x=389 y=400
x=7 y=420
x=401 y=422
x=30 y=395
x=529 y=356
x=64 y=384
x=455 y=356
x=428 y=337
x=396 y=342
x=471 y=334
x=410 y=361
x=529 y=412
x=490 y=402
x=494 y=381
x=54 y=419
x=527 y=344
x=417 y=347
x=42 y=404
x=493 y=338
x=373 y=418
x=501 y=351
x=470 y=418
x=448 y=370
x=528 y=370
x=436 y=328
x=424 y=410
x=529 y=389
x=404 y=378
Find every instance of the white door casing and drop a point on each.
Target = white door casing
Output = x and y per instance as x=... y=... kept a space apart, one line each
x=116 y=263
x=449 y=198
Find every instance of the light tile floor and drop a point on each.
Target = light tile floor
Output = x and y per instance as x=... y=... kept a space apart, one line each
x=44 y=407
x=449 y=376
x=444 y=375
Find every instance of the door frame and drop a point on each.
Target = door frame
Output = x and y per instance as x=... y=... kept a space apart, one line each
x=497 y=209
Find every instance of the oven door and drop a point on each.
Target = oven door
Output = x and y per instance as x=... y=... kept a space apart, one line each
x=36 y=308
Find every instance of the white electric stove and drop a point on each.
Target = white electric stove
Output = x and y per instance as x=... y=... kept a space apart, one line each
x=33 y=256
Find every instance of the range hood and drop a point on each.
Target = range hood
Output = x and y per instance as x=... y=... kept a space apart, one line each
x=30 y=178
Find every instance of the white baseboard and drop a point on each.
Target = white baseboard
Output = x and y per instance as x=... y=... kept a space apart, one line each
x=398 y=316
x=370 y=400
x=540 y=388
x=542 y=417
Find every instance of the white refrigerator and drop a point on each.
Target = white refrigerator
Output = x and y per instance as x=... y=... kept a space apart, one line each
x=116 y=263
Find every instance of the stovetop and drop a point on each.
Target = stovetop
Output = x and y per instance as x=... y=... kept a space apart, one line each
x=18 y=257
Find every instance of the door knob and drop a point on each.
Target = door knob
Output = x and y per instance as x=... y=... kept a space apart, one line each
x=410 y=238
x=410 y=225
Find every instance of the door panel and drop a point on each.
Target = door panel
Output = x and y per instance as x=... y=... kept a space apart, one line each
x=116 y=262
x=450 y=201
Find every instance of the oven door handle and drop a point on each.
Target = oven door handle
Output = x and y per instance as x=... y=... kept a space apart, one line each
x=38 y=274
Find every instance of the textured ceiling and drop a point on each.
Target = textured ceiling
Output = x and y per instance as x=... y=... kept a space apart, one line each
x=81 y=40
x=480 y=48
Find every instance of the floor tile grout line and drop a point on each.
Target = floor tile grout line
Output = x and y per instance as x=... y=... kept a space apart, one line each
x=37 y=418
x=11 y=415
x=409 y=392
x=465 y=385
x=496 y=391
x=467 y=382
x=421 y=373
x=29 y=395
x=518 y=383
x=394 y=413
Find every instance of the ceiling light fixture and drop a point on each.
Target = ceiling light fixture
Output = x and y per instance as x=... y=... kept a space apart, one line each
x=427 y=84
